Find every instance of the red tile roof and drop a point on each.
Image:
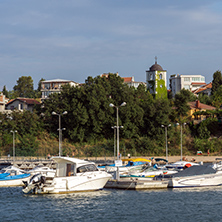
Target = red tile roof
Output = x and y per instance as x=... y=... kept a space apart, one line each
x=25 y=100
x=202 y=88
x=1 y=98
x=127 y=79
x=198 y=83
x=198 y=105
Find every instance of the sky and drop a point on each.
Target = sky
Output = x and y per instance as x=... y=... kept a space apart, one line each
x=74 y=39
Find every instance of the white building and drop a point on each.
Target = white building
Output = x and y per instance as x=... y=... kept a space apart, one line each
x=54 y=86
x=190 y=82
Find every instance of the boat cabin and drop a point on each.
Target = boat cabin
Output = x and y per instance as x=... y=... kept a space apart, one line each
x=67 y=166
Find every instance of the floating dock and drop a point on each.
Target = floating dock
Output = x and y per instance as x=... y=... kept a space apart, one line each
x=136 y=184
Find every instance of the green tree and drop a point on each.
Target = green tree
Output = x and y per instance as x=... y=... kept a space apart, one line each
x=217 y=98
x=181 y=103
x=5 y=92
x=205 y=99
x=217 y=81
x=24 y=87
x=38 y=92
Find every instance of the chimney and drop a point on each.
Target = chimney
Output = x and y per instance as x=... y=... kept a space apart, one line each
x=197 y=104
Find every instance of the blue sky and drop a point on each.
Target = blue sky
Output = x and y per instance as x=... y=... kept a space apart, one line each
x=74 y=39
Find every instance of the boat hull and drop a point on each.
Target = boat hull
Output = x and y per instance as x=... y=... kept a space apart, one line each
x=13 y=181
x=196 y=181
x=81 y=183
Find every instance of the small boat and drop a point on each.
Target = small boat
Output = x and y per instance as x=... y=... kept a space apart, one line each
x=72 y=175
x=131 y=164
x=153 y=171
x=197 y=176
x=13 y=176
x=180 y=165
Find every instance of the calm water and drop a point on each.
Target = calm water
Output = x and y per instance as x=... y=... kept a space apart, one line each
x=203 y=204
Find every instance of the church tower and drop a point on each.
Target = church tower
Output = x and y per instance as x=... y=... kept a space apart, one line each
x=156 y=79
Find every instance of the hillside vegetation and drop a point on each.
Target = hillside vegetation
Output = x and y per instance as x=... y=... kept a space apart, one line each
x=89 y=120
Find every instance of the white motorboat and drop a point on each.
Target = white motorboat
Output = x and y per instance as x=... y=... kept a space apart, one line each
x=152 y=172
x=72 y=175
x=13 y=176
x=180 y=165
x=196 y=176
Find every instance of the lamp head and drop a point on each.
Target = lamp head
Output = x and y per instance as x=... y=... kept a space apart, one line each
x=123 y=104
x=111 y=105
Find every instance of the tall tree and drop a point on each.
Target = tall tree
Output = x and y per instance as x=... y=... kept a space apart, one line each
x=38 y=91
x=24 y=87
x=217 y=81
x=181 y=103
x=5 y=92
x=217 y=98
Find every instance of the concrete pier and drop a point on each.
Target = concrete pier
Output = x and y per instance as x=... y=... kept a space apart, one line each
x=26 y=164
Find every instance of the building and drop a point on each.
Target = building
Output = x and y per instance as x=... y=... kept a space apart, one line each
x=205 y=90
x=54 y=86
x=3 y=101
x=127 y=80
x=131 y=82
x=21 y=104
x=190 y=82
x=198 y=106
x=156 y=80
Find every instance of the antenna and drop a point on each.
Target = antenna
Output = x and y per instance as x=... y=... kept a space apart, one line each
x=155 y=59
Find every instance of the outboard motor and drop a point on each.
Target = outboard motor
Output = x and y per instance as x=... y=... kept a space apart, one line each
x=35 y=183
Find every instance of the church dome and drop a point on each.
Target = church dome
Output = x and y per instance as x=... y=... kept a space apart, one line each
x=156 y=67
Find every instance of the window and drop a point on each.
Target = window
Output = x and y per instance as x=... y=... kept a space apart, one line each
x=151 y=76
x=161 y=76
x=70 y=170
x=196 y=79
x=186 y=87
x=186 y=79
x=86 y=168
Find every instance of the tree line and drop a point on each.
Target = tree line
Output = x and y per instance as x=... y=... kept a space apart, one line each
x=89 y=119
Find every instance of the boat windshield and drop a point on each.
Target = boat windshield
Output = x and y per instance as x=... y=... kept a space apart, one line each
x=87 y=168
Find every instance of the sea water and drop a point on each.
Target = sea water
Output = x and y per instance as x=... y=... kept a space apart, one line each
x=186 y=204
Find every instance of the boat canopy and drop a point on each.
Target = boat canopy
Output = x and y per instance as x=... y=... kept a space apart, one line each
x=71 y=160
x=136 y=160
x=160 y=159
x=195 y=170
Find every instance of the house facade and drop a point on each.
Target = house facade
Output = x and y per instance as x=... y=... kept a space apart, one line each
x=198 y=106
x=127 y=80
x=21 y=104
x=3 y=101
x=190 y=82
x=54 y=86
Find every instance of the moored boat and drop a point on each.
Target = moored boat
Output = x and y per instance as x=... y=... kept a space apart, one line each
x=13 y=176
x=196 y=176
x=72 y=175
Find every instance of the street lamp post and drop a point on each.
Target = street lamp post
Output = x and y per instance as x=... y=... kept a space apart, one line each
x=117 y=131
x=114 y=153
x=60 y=130
x=13 y=132
x=165 y=126
x=181 y=139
